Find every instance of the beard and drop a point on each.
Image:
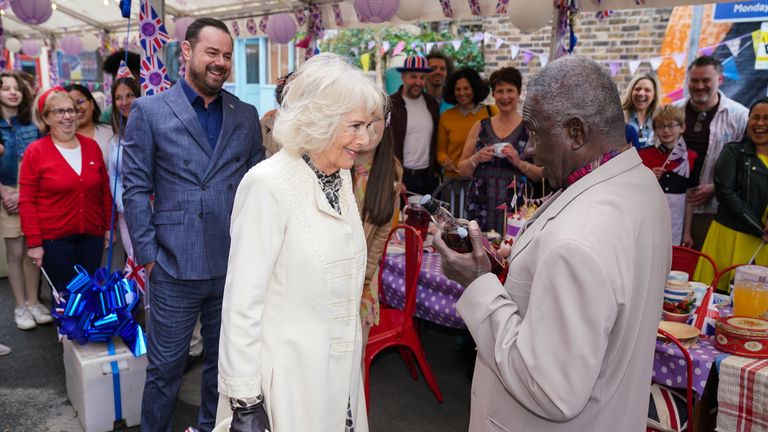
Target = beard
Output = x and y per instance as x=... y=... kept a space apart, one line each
x=210 y=87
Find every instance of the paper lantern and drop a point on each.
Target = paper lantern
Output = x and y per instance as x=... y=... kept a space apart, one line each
x=170 y=26
x=4 y=4
x=376 y=11
x=530 y=16
x=13 y=45
x=410 y=10
x=71 y=45
x=30 y=48
x=281 y=28
x=91 y=42
x=32 y=11
x=181 y=28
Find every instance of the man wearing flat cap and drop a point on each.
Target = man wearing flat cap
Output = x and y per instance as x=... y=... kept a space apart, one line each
x=414 y=126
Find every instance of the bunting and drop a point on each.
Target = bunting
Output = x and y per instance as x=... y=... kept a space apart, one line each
x=152 y=30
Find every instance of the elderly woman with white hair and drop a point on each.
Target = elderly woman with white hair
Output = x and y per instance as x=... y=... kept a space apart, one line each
x=290 y=344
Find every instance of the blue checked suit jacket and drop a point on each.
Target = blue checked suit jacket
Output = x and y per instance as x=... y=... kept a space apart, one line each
x=167 y=153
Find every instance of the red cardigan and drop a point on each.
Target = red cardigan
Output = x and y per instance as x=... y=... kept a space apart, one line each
x=55 y=202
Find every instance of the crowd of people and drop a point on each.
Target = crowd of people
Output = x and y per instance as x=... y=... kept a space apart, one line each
x=221 y=209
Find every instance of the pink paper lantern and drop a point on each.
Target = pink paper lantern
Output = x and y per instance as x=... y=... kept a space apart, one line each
x=32 y=11
x=281 y=28
x=30 y=48
x=181 y=27
x=71 y=45
x=4 y=4
x=377 y=11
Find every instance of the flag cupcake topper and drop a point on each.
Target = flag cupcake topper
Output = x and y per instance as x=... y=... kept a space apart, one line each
x=123 y=71
x=152 y=30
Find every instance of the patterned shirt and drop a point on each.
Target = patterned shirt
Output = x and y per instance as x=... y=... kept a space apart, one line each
x=329 y=183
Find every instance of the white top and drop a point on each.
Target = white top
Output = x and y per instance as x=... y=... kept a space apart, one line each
x=418 y=134
x=74 y=157
x=103 y=136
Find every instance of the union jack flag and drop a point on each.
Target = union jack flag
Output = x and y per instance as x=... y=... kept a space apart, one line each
x=137 y=273
x=154 y=77
x=710 y=315
x=679 y=156
x=152 y=30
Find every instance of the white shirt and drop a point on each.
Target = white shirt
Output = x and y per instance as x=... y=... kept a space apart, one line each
x=74 y=157
x=103 y=136
x=418 y=134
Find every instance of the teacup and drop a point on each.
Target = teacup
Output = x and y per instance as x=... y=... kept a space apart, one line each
x=498 y=149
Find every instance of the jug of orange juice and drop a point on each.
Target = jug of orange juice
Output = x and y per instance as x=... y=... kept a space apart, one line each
x=750 y=291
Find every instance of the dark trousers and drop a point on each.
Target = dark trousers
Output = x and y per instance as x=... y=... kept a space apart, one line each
x=421 y=182
x=174 y=307
x=61 y=255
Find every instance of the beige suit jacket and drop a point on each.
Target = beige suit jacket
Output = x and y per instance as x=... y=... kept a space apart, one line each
x=567 y=343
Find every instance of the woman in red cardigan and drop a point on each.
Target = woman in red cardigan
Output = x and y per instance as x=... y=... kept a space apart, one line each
x=64 y=197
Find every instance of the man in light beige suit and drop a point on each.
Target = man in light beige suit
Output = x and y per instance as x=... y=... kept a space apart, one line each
x=567 y=343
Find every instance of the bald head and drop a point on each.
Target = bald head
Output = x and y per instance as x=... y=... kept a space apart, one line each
x=576 y=86
x=573 y=115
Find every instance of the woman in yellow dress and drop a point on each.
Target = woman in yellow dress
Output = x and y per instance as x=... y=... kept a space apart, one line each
x=741 y=187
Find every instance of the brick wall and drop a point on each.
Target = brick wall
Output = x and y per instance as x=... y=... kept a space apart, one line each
x=626 y=35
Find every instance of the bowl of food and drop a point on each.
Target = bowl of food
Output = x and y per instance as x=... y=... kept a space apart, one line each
x=679 y=311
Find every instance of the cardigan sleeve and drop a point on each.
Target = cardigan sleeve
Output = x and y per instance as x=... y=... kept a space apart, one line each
x=29 y=184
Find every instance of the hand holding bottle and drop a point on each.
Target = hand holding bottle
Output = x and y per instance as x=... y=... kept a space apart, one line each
x=463 y=267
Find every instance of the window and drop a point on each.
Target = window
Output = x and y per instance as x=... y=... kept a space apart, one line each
x=252 y=61
x=278 y=60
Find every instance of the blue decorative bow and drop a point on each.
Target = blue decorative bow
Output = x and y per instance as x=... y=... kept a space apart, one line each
x=93 y=309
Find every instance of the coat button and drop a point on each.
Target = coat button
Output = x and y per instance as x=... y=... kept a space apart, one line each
x=203 y=188
x=186 y=163
x=237 y=159
x=200 y=215
x=229 y=186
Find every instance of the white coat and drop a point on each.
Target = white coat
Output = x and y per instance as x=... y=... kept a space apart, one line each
x=290 y=327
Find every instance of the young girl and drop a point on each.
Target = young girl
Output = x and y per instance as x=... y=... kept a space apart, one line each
x=672 y=163
x=18 y=131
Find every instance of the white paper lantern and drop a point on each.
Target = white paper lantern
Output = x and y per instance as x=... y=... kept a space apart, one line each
x=13 y=45
x=91 y=42
x=530 y=16
x=181 y=27
x=410 y=10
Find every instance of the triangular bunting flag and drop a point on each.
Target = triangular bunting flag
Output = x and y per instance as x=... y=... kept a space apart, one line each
x=655 y=62
x=513 y=51
x=731 y=70
x=679 y=59
x=733 y=45
x=430 y=45
x=385 y=45
x=707 y=51
x=527 y=56
x=456 y=44
x=676 y=95
x=499 y=42
x=398 y=48
x=544 y=59
x=614 y=67
x=633 y=65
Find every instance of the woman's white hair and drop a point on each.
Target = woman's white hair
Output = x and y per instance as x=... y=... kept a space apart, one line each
x=323 y=90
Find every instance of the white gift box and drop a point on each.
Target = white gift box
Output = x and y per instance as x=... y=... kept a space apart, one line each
x=90 y=373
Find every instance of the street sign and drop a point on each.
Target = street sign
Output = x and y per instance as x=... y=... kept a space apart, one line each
x=741 y=11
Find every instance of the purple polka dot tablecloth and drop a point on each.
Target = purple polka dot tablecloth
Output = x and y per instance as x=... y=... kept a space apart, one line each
x=436 y=295
x=669 y=364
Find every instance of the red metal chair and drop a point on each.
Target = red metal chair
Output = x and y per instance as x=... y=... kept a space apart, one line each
x=701 y=312
x=396 y=328
x=689 y=382
x=686 y=259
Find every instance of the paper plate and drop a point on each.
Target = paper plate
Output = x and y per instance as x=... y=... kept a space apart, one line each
x=679 y=330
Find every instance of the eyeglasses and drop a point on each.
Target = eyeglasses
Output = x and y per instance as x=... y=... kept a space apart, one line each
x=61 y=112
x=699 y=120
x=670 y=126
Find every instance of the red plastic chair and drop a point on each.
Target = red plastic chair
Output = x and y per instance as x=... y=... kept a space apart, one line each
x=701 y=311
x=689 y=375
x=396 y=328
x=686 y=259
